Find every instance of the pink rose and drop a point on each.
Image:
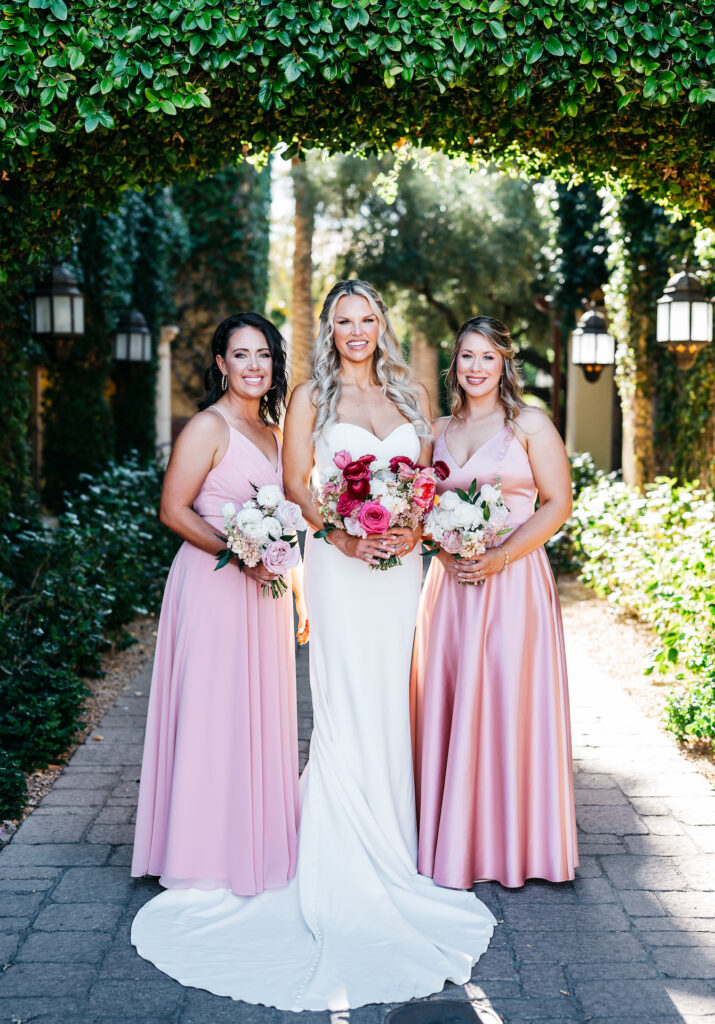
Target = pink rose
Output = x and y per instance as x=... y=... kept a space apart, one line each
x=348 y=504
x=451 y=542
x=400 y=460
x=374 y=518
x=280 y=556
x=423 y=491
x=341 y=459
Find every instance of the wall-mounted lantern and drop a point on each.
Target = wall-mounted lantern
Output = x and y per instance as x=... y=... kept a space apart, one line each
x=592 y=347
x=684 y=317
x=131 y=341
x=57 y=307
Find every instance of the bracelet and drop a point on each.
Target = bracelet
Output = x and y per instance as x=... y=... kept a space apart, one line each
x=506 y=558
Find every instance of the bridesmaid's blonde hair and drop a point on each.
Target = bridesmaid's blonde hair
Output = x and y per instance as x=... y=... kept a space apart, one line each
x=391 y=370
x=497 y=334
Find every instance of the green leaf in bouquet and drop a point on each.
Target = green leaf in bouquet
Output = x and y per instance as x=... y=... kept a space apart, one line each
x=472 y=491
x=222 y=559
x=462 y=494
x=487 y=512
x=323 y=533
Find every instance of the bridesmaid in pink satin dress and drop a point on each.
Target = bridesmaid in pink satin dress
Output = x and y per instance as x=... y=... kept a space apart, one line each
x=489 y=693
x=218 y=801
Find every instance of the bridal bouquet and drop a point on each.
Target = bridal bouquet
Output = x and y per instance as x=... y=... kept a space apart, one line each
x=263 y=529
x=466 y=523
x=368 y=495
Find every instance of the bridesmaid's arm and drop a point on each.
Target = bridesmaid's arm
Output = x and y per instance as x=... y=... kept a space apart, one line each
x=552 y=476
x=199 y=447
x=298 y=453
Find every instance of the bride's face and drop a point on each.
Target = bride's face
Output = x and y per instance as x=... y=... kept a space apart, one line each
x=355 y=329
x=479 y=366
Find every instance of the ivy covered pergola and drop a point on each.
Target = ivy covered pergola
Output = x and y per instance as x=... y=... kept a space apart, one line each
x=98 y=96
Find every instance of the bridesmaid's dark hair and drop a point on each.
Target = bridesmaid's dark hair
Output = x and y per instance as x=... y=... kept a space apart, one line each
x=273 y=402
x=497 y=334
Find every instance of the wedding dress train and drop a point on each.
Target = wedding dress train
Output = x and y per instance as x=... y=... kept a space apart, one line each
x=357 y=924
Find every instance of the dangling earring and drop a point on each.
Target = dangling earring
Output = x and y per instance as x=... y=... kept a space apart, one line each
x=501 y=385
x=224 y=382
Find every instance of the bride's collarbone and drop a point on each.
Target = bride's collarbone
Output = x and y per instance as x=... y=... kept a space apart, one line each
x=366 y=416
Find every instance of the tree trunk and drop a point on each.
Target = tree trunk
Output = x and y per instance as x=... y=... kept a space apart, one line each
x=424 y=360
x=639 y=414
x=302 y=319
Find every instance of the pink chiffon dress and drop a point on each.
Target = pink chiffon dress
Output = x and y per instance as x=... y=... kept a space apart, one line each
x=490 y=711
x=218 y=799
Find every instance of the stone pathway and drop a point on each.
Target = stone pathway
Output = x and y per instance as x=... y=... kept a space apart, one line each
x=631 y=941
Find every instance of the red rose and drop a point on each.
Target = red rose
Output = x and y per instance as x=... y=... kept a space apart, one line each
x=348 y=504
x=358 y=488
x=395 y=463
x=441 y=469
x=356 y=471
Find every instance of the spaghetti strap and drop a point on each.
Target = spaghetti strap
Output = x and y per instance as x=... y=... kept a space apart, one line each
x=222 y=414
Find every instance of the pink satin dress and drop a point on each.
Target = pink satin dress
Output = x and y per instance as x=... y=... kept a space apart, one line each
x=218 y=800
x=490 y=709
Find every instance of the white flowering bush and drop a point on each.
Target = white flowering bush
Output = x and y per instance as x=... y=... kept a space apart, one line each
x=653 y=555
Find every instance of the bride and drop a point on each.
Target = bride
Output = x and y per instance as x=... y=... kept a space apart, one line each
x=357 y=924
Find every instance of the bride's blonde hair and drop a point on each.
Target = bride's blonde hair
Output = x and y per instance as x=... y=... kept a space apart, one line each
x=392 y=372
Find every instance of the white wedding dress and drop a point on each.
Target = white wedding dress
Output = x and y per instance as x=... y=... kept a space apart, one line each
x=357 y=924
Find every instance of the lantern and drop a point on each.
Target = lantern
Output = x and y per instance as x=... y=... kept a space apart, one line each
x=592 y=347
x=57 y=307
x=684 y=317
x=132 y=338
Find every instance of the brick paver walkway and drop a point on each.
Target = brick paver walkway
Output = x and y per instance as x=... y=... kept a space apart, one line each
x=631 y=940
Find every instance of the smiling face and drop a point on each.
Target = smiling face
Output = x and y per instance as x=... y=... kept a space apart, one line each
x=248 y=363
x=479 y=366
x=355 y=329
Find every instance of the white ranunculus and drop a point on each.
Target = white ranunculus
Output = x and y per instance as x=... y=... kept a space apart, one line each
x=378 y=488
x=379 y=465
x=273 y=527
x=269 y=496
x=228 y=510
x=256 y=530
x=449 y=501
x=247 y=516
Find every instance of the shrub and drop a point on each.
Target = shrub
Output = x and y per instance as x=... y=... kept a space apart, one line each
x=653 y=555
x=561 y=548
x=13 y=787
x=64 y=593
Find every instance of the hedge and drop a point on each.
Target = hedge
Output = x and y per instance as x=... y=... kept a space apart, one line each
x=64 y=596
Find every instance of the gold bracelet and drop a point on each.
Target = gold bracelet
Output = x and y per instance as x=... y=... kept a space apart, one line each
x=506 y=557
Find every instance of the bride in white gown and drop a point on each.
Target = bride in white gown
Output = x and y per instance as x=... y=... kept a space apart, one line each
x=357 y=924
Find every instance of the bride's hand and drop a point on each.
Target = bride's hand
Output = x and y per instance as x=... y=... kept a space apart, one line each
x=371 y=549
x=403 y=539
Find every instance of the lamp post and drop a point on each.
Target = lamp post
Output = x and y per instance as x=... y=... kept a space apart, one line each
x=131 y=341
x=684 y=317
x=592 y=347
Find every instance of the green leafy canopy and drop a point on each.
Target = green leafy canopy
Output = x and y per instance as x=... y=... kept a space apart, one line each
x=100 y=95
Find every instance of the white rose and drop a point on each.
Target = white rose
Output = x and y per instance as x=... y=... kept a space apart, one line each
x=228 y=510
x=256 y=531
x=463 y=515
x=269 y=496
x=378 y=488
x=449 y=501
x=489 y=493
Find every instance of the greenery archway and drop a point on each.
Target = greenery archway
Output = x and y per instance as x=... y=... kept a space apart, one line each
x=96 y=97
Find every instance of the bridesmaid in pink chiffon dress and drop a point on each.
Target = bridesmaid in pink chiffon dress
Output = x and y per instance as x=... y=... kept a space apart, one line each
x=489 y=691
x=218 y=801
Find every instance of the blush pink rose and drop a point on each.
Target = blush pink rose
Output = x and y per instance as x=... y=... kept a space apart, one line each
x=342 y=459
x=423 y=491
x=348 y=504
x=451 y=542
x=280 y=556
x=405 y=472
x=353 y=527
x=374 y=518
